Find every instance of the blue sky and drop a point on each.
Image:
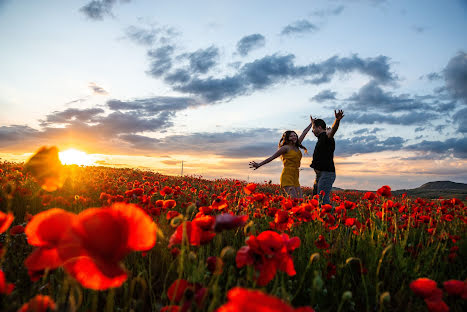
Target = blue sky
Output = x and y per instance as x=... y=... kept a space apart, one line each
x=215 y=83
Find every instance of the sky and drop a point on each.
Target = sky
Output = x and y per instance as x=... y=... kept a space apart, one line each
x=214 y=84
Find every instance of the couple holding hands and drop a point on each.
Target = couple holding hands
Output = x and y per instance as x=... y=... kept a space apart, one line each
x=323 y=158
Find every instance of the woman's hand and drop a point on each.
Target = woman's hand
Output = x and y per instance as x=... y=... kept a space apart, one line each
x=254 y=165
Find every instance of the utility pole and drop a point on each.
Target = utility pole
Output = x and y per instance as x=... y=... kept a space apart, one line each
x=182 y=169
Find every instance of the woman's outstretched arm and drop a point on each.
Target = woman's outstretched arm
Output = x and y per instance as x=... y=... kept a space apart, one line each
x=305 y=132
x=280 y=151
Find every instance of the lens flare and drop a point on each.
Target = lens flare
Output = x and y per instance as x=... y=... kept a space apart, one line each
x=74 y=157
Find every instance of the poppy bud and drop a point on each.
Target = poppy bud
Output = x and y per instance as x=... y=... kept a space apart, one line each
x=347 y=295
x=318 y=282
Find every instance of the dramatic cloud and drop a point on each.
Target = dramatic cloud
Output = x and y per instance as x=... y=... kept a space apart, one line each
x=161 y=60
x=272 y=69
x=98 y=9
x=367 y=144
x=460 y=118
x=249 y=43
x=455 y=75
x=455 y=146
x=72 y=114
x=324 y=95
x=152 y=105
x=97 y=90
x=298 y=27
x=203 y=60
x=15 y=133
x=406 y=119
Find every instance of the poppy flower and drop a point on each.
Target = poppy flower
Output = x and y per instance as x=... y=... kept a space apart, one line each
x=370 y=196
x=39 y=303
x=384 y=191
x=166 y=191
x=268 y=252
x=45 y=231
x=437 y=305
x=100 y=238
x=194 y=234
x=17 y=229
x=249 y=188
x=5 y=287
x=241 y=299
x=169 y=204
x=321 y=243
x=454 y=287
x=423 y=287
x=227 y=221
x=46 y=168
x=5 y=221
x=183 y=291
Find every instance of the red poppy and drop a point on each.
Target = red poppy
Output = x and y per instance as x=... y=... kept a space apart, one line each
x=454 y=287
x=169 y=204
x=166 y=191
x=423 y=287
x=172 y=214
x=100 y=238
x=186 y=292
x=241 y=299
x=436 y=305
x=5 y=221
x=46 y=168
x=321 y=243
x=195 y=235
x=249 y=188
x=227 y=221
x=5 y=287
x=268 y=252
x=45 y=231
x=219 y=203
x=370 y=196
x=17 y=229
x=39 y=303
x=384 y=191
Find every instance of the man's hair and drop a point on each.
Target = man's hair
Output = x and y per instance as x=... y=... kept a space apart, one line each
x=320 y=123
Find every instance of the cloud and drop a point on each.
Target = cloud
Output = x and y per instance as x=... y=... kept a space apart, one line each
x=455 y=75
x=419 y=29
x=249 y=43
x=298 y=27
x=455 y=146
x=367 y=144
x=406 y=119
x=15 y=133
x=460 y=118
x=433 y=76
x=324 y=95
x=367 y=130
x=72 y=114
x=329 y=12
x=269 y=70
x=97 y=90
x=203 y=60
x=98 y=9
x=150 y=36
x=161 y=60
x=153 y=105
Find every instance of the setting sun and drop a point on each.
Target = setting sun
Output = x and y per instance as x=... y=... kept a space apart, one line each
x=74 y=157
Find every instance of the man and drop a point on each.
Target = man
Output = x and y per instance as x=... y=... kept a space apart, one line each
x=323 y=156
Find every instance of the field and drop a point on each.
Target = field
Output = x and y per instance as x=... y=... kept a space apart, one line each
x=106 y=239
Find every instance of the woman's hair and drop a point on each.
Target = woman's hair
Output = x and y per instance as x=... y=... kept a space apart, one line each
x=285 y=140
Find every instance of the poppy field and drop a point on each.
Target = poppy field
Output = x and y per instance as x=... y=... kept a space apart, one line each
x=106 y=239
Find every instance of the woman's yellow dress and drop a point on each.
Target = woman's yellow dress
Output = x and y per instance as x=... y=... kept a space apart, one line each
x=291 y=161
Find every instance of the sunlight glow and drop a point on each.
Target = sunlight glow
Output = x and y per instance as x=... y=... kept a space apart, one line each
x=74 y=157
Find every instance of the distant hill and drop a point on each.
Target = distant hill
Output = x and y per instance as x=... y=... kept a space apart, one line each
x=435 y=189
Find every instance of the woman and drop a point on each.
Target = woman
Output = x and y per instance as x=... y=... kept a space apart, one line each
x=291 y=156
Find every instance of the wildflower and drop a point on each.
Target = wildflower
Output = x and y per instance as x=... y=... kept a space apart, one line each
x=17 y=229
x=384 y=191
x=227 y=221
x=321 y=243
x=423 y=287
x=193 y=233
x=166 y=191
x=249 y=188
x=370 y=196
x=100 y=238
x=46 y=168
x=45 y=231
x=186 y=293
x=455 y=287
x=241 y=299
x=39 y=303
x=5 y=287
x=5 y=221
x=268 y=252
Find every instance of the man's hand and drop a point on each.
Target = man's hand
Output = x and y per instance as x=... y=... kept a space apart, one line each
x=339 y=114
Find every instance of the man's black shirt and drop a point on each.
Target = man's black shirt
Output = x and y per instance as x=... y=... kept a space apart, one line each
x=323 y=156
